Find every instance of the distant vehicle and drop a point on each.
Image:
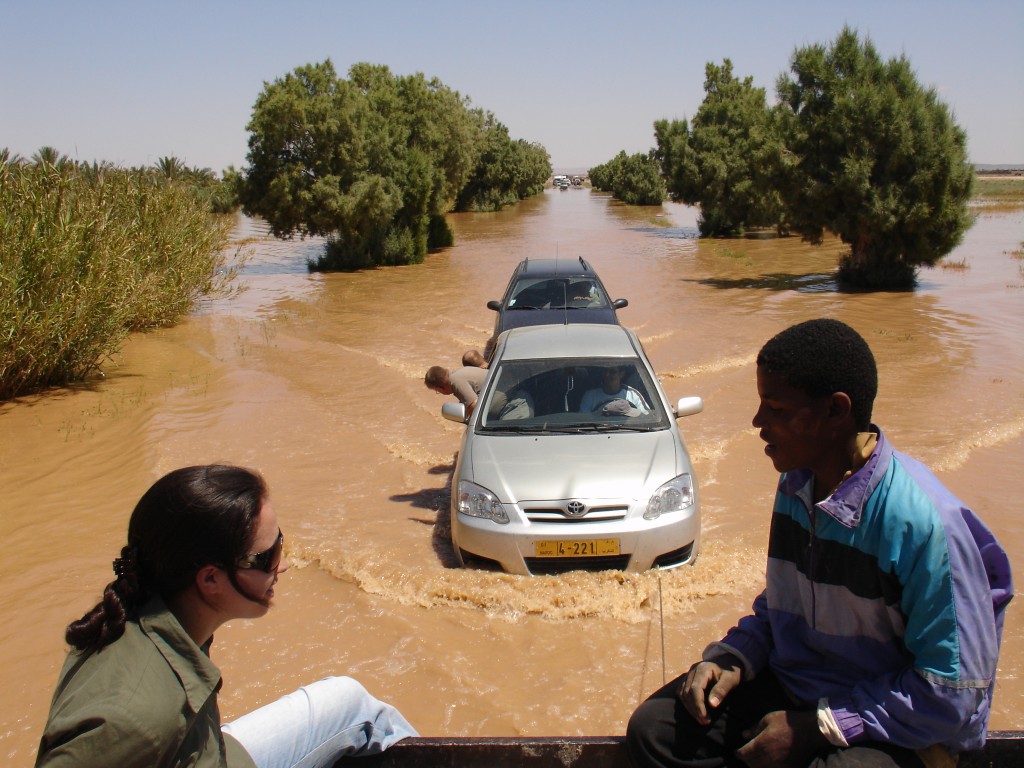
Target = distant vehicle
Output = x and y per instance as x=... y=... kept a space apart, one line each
x=561 y=182
x=555 y=474
x=544 y=291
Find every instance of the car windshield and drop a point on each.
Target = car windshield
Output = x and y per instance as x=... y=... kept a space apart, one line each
x=571 y=395
x=557 y=293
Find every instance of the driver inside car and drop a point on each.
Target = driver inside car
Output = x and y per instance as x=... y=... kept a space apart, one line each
x=604 y=399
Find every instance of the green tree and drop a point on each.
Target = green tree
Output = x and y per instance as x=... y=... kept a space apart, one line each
x=373 y=162
x=633 y=179
x=874 y=158
x=506 y=170
x=677 y=160
x=303 y=141
x=723 y=160
x=603 y=176
x=535 y=163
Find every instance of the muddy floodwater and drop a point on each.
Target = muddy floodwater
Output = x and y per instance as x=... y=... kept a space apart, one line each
x=317 y=381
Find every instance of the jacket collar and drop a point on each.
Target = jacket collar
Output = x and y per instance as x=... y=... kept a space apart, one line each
x=199 y=676
x=846 y=502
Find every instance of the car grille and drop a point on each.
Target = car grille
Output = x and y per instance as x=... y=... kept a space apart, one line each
x=541 y=566
x=557 y=514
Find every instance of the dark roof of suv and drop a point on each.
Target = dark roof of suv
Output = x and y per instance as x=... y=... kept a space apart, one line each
x=555 y=267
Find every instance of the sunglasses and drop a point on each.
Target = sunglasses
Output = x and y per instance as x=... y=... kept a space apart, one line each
x=267 y=561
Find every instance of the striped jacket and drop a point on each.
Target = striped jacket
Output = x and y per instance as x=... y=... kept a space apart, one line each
x=886 y=599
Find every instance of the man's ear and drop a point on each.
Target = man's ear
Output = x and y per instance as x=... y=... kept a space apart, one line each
x=839 y=407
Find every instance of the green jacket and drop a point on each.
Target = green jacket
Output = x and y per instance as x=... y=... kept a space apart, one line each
x=149 y=699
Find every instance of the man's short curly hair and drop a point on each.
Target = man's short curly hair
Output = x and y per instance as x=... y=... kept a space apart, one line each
x=824 y=356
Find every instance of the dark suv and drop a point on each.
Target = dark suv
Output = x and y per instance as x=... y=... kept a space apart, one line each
x=554 y=291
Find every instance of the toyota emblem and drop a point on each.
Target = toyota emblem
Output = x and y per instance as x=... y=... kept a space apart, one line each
x=575 y=509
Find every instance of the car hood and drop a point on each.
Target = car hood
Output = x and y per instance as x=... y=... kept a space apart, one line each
x=541 y=468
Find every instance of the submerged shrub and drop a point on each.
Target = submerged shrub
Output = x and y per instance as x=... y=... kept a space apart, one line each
x=633 y=179
x=89 y=254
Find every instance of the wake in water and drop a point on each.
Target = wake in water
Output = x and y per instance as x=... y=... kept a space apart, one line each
x=629 y=597
x=713 y=366
x=989 y=437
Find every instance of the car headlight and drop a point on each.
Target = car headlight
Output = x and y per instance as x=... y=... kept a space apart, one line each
x=476 y=501
x=674 y=496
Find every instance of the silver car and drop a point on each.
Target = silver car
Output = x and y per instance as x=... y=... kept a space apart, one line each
x=572 y=459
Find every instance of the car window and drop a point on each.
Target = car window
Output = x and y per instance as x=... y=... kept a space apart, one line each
x=532 y=293
x=557 y=293
x=586 y=294
x=571 y=393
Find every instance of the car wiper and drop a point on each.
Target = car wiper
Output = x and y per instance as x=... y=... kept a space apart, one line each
x=514 y=428
x=599 y=427
x=549 y=429
x=617 y=426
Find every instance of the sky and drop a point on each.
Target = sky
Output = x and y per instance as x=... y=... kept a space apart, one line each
x=131 y=82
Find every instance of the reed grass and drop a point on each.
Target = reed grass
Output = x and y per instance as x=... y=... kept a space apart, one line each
x=89 y=254
x=1006 y=189
x=958 y=265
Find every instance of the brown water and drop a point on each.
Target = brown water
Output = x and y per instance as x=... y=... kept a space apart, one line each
x=316 y=380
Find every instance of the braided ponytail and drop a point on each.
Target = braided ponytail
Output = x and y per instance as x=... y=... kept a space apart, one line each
x=105 y=622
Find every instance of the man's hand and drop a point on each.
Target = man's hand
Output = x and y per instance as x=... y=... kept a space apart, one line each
x=721 y=675
x=789 y=739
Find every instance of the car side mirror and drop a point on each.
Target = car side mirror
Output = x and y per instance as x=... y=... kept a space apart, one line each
x=620 y=303
x=687 y=406
x=454 y=412
x=495 y=305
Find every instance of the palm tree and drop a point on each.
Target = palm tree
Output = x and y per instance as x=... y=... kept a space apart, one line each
x=203 y=176
x=47 y=156
x=170 y=166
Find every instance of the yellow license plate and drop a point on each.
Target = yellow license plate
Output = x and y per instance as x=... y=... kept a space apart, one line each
x=584 y=548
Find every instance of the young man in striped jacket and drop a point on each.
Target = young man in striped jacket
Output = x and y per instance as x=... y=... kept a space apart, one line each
x=875 y=640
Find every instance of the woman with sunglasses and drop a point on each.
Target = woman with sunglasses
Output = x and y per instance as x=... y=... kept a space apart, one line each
x=138 y=687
